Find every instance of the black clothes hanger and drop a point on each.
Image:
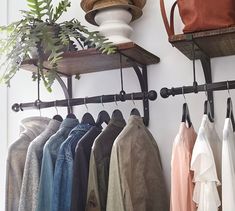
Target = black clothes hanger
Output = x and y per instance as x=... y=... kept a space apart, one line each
x=57 y=116
x=207 y=110
x=103 y=117
x=207 y=106
x=117 y=114
x=229 y=113
x=70 y=114
x=185 y=115
x=87 y=117
x=134 y=111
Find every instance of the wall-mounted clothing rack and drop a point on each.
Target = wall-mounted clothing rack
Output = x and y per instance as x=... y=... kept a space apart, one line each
x=151 y=95
x=207 y=45
x=79 y=62
x=217 y=86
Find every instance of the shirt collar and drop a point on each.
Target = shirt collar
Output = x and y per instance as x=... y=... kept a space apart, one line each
x=33 y=126
x=69 y=123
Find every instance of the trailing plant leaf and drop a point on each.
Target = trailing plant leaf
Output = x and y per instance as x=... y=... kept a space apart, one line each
x=60 y=9
x=49 y=10
x=38 y=29
x=37 y=8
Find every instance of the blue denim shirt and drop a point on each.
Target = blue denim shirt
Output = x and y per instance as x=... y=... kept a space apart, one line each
x=50 y=152
x=63 y=176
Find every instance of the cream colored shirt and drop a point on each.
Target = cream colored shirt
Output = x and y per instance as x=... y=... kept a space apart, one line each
x=206 y=164
x=228 y=167
x=181 y=176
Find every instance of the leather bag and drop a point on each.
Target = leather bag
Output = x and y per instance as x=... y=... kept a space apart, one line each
x=201 y=15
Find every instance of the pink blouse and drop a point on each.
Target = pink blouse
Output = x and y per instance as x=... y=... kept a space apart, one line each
x=181 y=176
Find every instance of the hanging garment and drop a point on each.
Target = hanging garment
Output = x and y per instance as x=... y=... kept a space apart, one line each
x=30 y=128
x=62 y=189
x=29 y=190
x=181 y=176
x=136 y=181
x=50 y=152
x=228 y=167
x=99 y=165
x=206 y=164
x=81 y=169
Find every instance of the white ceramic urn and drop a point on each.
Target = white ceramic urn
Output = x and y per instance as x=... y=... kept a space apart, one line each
x=114 y=24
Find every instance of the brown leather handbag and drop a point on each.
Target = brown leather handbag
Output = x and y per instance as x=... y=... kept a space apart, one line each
x=201 y=15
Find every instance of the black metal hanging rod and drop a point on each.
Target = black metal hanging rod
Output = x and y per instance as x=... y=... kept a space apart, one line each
x=151 y=95
x=217 y=86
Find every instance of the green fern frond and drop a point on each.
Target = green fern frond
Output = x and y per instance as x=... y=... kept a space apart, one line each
x=61 y=8
x=37 y=8
x=49 y=9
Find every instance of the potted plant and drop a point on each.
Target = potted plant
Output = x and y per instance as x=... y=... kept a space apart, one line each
x=40 y=30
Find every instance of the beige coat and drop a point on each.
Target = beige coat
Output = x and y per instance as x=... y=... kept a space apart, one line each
x=136 y=180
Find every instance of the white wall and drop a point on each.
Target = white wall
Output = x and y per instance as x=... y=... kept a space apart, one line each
x=3 y=119
x=173 y=70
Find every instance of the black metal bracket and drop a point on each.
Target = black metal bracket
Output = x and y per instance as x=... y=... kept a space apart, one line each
x=206 y=66
x=68 y=93
x=141 y=72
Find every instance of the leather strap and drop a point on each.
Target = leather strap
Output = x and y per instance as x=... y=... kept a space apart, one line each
x=169 y=26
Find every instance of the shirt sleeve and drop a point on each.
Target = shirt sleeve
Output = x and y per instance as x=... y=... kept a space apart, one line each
x=115 y=197
x=13 y=185
x=46 y=182
x=205 y=176
x=29 y=190
x=228 y=172
x=93 y=202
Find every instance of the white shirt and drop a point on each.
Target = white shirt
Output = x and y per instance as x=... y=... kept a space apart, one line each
x=206 y=164
x=228 y=167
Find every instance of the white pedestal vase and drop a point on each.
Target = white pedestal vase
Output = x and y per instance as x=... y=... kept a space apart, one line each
x=114 y=24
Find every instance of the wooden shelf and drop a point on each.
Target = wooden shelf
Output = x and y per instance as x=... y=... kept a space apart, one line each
x=214 y=43
x=91 y=60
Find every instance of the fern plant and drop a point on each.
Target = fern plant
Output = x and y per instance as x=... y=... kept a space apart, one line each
x=38 y=29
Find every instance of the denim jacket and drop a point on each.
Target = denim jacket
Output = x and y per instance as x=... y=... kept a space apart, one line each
x=62 y=189
x=50 y=152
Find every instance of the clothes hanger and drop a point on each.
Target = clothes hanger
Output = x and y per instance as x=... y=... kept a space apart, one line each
x=87 y=117
x=103 y=116
x=229 y=113
x=37 y=104
x=70 y=114
x=207 y=107
x=185 y=114
x=117 y=114
x=57 y=116
x=134 y=111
